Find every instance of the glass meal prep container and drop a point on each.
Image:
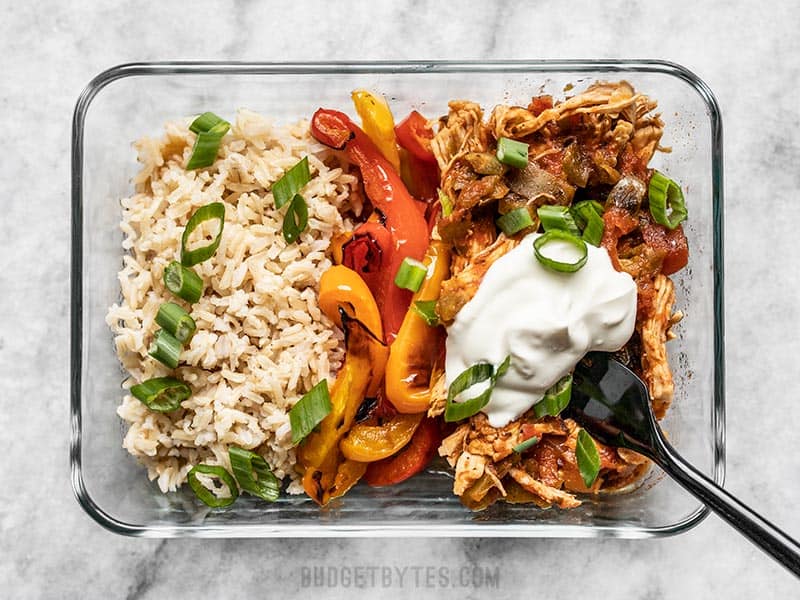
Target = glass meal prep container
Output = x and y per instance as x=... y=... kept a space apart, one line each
x=127 y=102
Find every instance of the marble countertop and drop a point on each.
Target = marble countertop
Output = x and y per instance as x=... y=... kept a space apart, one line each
x=49 y=50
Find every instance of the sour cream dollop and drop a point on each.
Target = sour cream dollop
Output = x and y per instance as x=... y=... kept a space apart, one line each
x=545 y=320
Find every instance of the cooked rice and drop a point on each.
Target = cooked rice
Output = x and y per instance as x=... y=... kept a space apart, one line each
x=261 y=340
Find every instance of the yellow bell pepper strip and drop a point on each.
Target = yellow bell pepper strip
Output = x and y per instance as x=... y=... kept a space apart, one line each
x=378 y=123
x=339 y=240
x=414 y=352
x=326 y=472
x=341 y=288
x=347 y=475
x=368 y=443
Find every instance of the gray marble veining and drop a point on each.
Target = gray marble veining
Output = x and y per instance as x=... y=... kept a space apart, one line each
x=750 y=57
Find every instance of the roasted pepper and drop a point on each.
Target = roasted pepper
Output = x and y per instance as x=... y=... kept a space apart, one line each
x=368 y=443
x=414 y=352
x=337 y=243
x=410 y=460
x=415 y=135
x=340 y=289
x=388 y=194
x=326 y=472
x=378 y=123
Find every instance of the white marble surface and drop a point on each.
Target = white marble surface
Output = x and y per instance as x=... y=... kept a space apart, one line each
x=750 y=57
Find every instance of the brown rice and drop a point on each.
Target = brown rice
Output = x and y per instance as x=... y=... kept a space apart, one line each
x=261 y=340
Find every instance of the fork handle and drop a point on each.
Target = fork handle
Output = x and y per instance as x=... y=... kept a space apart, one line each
x=753 y=526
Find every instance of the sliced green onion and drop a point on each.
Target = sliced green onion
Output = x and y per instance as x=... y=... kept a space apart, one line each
x=206 y=122
x=447 y=204
x=525 y=444
x=253 y=474
x=296 y=219
x=477 y=373
x=512 y=152
x=210 y=130
x=556 y=235
x=666 y=201
x=161 y=394
x=411 y=274
x=215 y=210
x=589 y=216
x=557 y=217
x=515 y=221
x=427 y=310
x=588 y=458
x=177 y=321
x=183 y=282
x=555 y=399
x=309 y=411
x=208 y=497
x=291 y=183
x=165 y=348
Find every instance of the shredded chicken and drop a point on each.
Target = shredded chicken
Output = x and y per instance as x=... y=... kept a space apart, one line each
x=469 y=468
x=462 y=131
x=459 y=289
x=549 y=494
x=600 y=98
x=655 y=366
x=438 y=395
x=581 y=148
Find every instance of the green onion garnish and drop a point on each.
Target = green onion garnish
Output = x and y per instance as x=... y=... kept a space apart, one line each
x=183 y=282
x=515 y=221
x=666 y=201
x=447 y=204
x=557 y=217
x=291 y=182
x=455 y=411
x=165 y=348
x=177 y=321
x=427 y=310
x=589 y=216
x=253 y=474
x=296 y=219
x=162 y=394
x=588 y=458
x=525 y=444
x=309 y=411
x=557 y=235
x=206 y=122
x=555 y=399
x=411 y=274
x=210 y=130
x=512 y=152
x=215 y=210
x=207 y=496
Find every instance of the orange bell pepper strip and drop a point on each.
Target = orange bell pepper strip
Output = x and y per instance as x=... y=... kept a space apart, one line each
x=340 y=289
x=326 y=472
x=414 y=352
x=368 y=443
x=410 y=460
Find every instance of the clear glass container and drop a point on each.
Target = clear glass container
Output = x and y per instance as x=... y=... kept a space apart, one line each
x=124 y=103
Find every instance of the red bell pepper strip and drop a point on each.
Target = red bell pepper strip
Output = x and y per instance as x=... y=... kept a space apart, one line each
x=415 y=135
x=410 y=460
x=364 y=253
x=385 y=189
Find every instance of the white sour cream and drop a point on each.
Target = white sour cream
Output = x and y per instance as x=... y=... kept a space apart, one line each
x=545 y=320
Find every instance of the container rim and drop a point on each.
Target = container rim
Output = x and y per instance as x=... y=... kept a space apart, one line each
x=160 y=68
